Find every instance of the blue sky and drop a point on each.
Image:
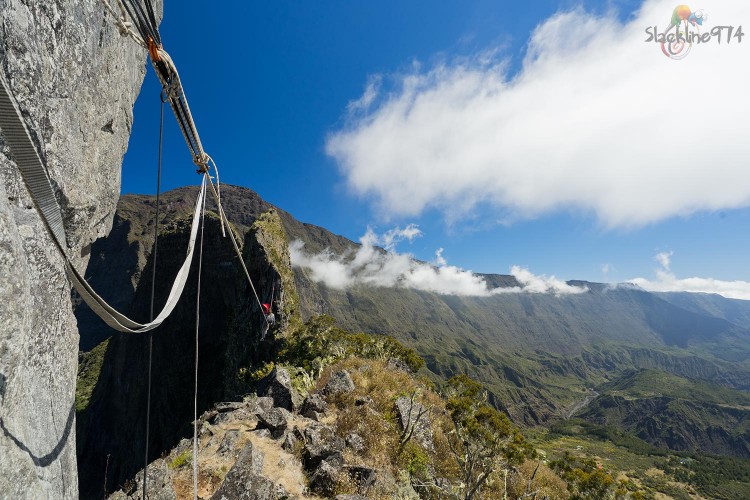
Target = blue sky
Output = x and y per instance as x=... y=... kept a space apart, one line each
x=270 y=84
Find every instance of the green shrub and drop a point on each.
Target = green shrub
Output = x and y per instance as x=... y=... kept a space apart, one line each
x=183 y=458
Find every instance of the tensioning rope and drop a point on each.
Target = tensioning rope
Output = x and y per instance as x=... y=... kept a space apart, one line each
x=169 y=77
x=197 y=325
x=223 y=217
x=36 y=178
x=153 y=288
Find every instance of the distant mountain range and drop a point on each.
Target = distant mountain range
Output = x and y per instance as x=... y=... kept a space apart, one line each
x=541 y=357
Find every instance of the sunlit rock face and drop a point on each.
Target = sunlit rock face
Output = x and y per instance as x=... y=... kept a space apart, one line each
x=75 y=79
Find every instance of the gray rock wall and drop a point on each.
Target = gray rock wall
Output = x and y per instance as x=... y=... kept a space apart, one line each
x=76 y=81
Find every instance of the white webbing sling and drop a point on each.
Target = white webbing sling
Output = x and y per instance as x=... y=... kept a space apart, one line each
x=37 y=181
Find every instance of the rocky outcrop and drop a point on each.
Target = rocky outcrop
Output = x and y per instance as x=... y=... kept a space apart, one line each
x=414 y=420
x=244 y=480
x=278 y=386
x=237 y=460
x=340 y=383
x=75 y=80
x=229 y=337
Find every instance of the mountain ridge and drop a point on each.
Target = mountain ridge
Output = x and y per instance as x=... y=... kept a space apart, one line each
x=538 y=355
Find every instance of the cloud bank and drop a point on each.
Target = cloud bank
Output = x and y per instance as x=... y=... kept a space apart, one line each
x=372 y=266
x=666 y=281
x=596 y=121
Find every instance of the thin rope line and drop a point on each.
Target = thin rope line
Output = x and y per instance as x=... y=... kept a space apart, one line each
x=197 y=324
x=153 y=291
x=223 y=216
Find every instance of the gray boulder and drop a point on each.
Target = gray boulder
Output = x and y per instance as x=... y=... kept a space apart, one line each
x=263 y=433
x=159 y=484
x=355 y=442
x=244 y=482
x=339 y=383
x=290 y=441
x=278 y=385
x=276 y=419
x=229 y=442
x=321 y=443
x=414 y=414
x=313 y=403
x=324 y=479
x=260 y=404
x=362 y=400
x=364 y=477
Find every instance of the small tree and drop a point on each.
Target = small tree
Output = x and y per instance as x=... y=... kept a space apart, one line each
x=586 y=479
x=413 y=418
x=483 y=440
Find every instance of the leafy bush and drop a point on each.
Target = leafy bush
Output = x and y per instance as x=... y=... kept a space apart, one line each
x=585 y=478
x=319 y=343
x=483 y=440
x=183 y=458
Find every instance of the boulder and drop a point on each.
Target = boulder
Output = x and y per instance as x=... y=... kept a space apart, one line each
x=229 y=442
x=314 y=415
x=244 y=481
x=408 y=413
x=355 y=442
x=321 y=443
x=290 y=441
x=362 y=400
x=313 y=403
x=224 y=413
x=339 y=383
x=256 y=404
x=263 y=433
x=397 y=364
x=278 y=385
x=159 y=483
x=364 y=477
x=323 y=481
x=275 y=420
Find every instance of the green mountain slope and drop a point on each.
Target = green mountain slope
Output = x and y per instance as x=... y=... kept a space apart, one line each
x=539 y=355
x=675 y=413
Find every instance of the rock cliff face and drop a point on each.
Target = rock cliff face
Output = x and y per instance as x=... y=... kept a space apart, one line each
x=75 y=80
x=112 y=425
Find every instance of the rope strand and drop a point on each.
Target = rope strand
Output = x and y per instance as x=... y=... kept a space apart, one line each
x=237 y=250
x=153 y=292
x=197 y=325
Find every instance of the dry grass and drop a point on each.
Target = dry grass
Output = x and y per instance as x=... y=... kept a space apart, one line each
x=281 y=467
x=378 y=425
x=546 y=482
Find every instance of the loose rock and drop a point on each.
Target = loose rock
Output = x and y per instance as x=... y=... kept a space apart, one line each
x=339 y=383
x=278 y=385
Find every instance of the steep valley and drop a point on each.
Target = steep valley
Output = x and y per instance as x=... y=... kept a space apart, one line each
x=543 y=358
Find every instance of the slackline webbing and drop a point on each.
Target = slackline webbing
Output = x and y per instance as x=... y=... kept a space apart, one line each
x=169 y=77
x=37 y=180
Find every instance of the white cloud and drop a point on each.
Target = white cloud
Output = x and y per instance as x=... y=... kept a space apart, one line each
x=596 y=121
x=532 y=283
x=393 y=237
x=608 y=268
x=666 y=281
x=371 y=266
x=664 y=259
x=367 y=98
